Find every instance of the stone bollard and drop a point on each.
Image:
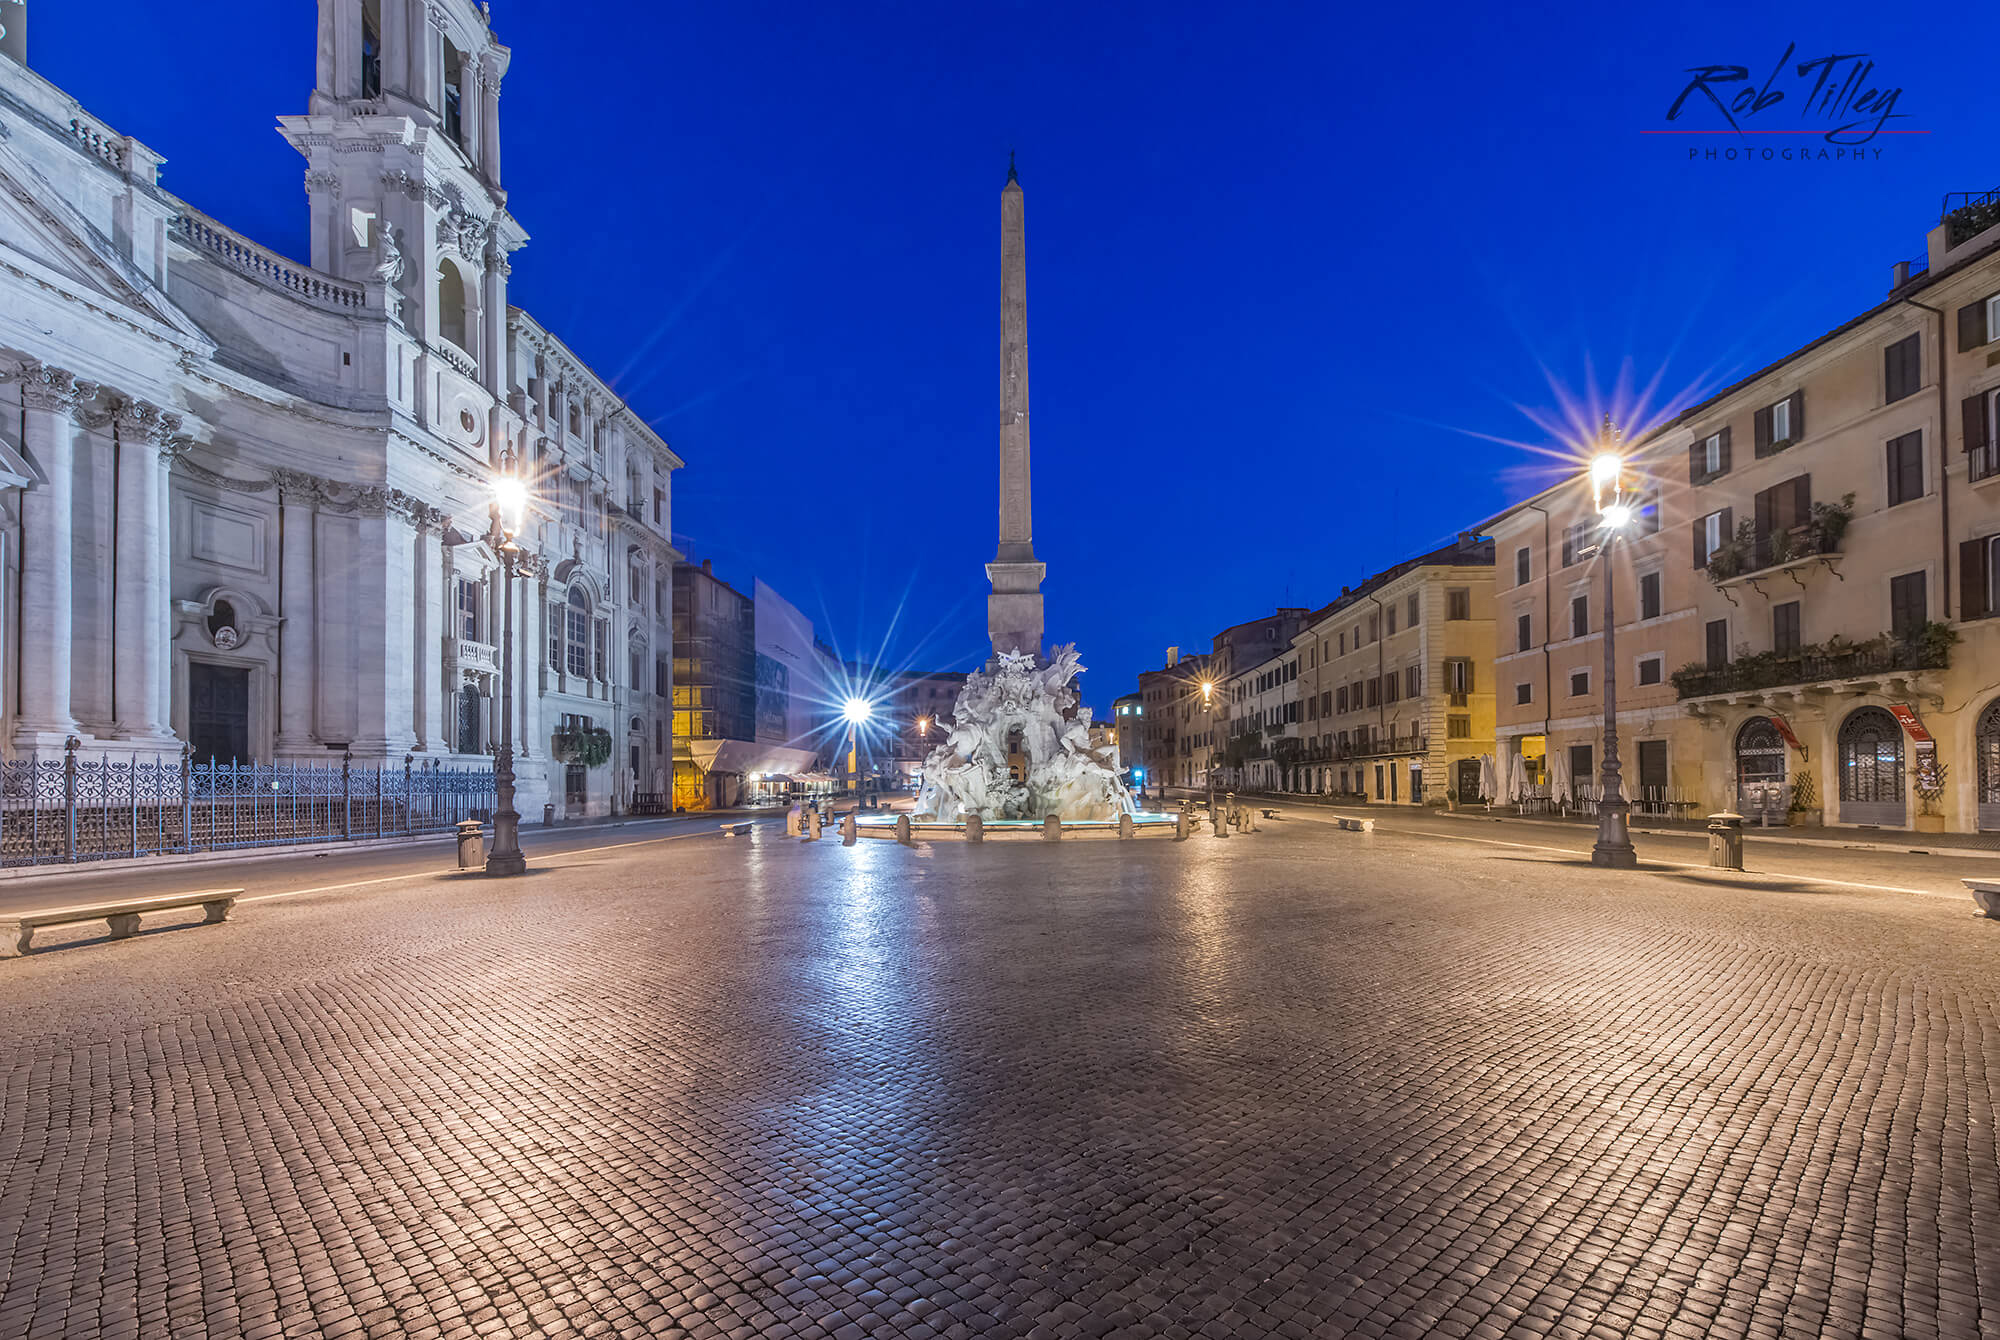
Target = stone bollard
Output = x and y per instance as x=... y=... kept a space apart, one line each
x=812 y=826
x=850 y=831
x=1125 y=825
x=1219 y=821
x=1180 y=826
x=795 y=821
x=903 y=830
x=471 y=846
x=1725 y=840
x=975 y=828
x=1052 y=829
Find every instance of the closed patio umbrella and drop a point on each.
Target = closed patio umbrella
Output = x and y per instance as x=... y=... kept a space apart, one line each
x=1489 y=778
x=1516 y=783
x=1559 y=782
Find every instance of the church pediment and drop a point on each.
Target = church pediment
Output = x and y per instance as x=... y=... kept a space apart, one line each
x=58 y=244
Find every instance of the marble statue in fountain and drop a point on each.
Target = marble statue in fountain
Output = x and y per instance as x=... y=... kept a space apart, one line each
x=1017 y=748
x=1017 y=751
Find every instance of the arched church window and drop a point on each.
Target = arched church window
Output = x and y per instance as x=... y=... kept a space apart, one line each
x=222 y=630
x=371 y=48
x=577 y=636
x=454 y=94
x=451 y=304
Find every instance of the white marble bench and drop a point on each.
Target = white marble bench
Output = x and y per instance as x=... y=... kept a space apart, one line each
x=17 y=932
x=1985 y=892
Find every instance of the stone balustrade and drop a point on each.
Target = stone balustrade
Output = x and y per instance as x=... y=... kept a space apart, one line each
x=99 y=141
x=265 y=266
x=456 y=357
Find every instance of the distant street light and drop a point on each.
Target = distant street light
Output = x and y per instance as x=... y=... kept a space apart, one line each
x=855 y=711
x=1607 y=491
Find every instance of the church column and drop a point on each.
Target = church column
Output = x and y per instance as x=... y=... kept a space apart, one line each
x=298 y=679
x=493 y=363
x=426 y=31
x=50 y=398
x=139 y=599
x=434 y=614
x=489 y=123
x=395 y=46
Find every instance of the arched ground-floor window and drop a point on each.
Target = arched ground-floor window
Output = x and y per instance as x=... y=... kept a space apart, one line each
x=1760 y=768
x=1871 y=769
x=1986 y=757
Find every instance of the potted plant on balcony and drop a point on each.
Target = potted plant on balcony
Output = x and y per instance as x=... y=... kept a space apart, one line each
x=1732 y=557
x=1828 y=523
x=591 y=746
x=1928 y=783
x=1803 y=809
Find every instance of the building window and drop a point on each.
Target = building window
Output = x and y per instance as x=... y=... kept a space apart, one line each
x=1458 y=603
x=1710 y=532
x=1577 y=544
x=1579 y=616
x=1902 y=371
x=1523 y=633
x=1779 y=425
x=1458 y=728
x=557 y=612
x=371 y=50
x=1652 y=767
x=1413 y=681
x=1982 y=434
x=1414 y=608
x=1717 y=640
x=454 y=83
x=1390 y=627
x=1785 y=628
x=576 y=643
x=1340 y=698
x=1649 y=595
x=1650 y=669
x=1579 y=683
x=1978 y=322
x=1524 y=565
x=1909 y=604
x=1524 y=694
x=1709 y=457
x=1458 y=678
x=1906 y=467
x=1375 y=693
x=1374 y=626
x=468 y=610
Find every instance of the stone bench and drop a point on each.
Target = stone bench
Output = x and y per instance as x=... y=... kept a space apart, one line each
x=735 y=830
x=1985 y=892
x=1267 y=813
x=17 y=933
x=1356 y=825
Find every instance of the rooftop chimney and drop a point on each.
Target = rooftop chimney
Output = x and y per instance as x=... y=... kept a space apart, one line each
x=708 y=566
x=1173 y=657
x=1899 y=275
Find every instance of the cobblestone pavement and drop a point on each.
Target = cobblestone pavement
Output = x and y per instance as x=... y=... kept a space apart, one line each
x=1304 y=1083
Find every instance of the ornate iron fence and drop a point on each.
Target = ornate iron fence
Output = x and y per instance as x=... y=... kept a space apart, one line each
x=59 y=810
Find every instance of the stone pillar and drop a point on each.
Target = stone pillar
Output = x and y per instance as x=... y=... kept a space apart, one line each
x=395 y=46
x=493 y=313
x=489 y=125
x=425 y=56
x=50 y=398
x=298 y=663
x=435 y=609
x=139 y=602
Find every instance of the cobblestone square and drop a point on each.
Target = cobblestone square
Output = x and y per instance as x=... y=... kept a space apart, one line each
x=1301 y=1083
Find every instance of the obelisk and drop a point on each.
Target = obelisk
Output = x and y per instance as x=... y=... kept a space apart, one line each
x=1014 y=609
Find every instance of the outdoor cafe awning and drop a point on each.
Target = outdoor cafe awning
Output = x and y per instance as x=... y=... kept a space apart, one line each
x=749 y=758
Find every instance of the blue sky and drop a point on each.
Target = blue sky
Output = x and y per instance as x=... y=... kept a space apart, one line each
x=1299 y=279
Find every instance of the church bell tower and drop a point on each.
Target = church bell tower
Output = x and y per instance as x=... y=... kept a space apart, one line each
x=402 y=145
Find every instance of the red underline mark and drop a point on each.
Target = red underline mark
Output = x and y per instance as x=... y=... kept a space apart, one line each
x=1770 y=132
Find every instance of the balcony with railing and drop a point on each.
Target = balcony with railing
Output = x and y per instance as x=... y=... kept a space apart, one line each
x=1967 y=215
x=1928 y=648
x=265 y=266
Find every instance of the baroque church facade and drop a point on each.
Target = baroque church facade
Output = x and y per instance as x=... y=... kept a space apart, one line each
x=246 y=504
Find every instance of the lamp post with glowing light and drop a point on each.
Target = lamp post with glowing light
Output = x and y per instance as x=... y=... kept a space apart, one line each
x=1208 y=708
x=510 y=515
x=855 y=711
x=1607 y=490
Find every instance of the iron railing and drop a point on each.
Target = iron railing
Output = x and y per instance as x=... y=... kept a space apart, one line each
x=59 y=810
x=1967 y=215
x=1770 y=671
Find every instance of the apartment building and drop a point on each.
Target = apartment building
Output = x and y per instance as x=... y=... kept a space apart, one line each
x=1394 y=680
x=1805 y=596
x=1263 y=746
x=1128 y=716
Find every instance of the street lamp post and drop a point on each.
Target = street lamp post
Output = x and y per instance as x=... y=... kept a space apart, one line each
x=1614 y=834
x=510 y=508
x=1208 y=711
x=856 y=711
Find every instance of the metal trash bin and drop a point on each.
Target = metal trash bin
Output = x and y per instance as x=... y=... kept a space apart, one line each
x=1725 y=840
x=548 y=815
x=471 y=845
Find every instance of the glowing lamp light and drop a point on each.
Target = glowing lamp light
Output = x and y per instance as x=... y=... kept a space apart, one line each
x=857 y=710
x=1617 y=516
x=1605 y=468
x=510 y=496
